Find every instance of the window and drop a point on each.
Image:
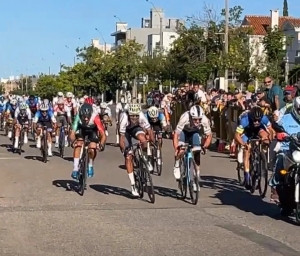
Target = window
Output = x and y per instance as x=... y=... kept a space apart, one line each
x=298 y=53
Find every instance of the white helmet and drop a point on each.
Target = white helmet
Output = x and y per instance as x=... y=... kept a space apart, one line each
x=60 y=94
x=134 y=109
x=23 y=106
x=153 y=112
x=69 y=95
x=44 y=107
x=60 y=101
x=103 y=105
x=196 y=112
x=81 y=100
x=13 y=102
x=296 y=108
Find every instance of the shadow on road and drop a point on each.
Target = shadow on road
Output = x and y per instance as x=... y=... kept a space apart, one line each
x=166 y=192
x=68 y=185
x=122 y=166
x=7 y=146
x=112 y=144
x=66 y=158
x=230 y=193
x=35 y=158
x=107 y=189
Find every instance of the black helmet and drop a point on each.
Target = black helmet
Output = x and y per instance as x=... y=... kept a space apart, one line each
x=86 y=110
x=256 y=113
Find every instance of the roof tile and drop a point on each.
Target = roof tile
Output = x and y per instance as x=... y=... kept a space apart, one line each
x=260 y=23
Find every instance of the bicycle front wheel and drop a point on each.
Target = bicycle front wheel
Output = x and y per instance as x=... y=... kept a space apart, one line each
x=194 y=182
x=182 y=182
x=147 y=180
x=263 y=175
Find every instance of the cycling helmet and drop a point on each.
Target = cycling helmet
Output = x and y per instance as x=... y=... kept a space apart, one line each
x=60 y=101
x=60 y=94
x=296 y=108
x=86 y=110
x=81 y=100
x=69 y=95
x=134 y=109
x=256 y=113
x=44 y=107
x=89 y=100
x=23 y=106
x=196 y=112
x=153 y=112
x=103 y=105
x=13 y=102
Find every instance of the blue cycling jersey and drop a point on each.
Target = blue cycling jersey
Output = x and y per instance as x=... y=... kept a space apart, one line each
x=40 y=118
x=246 y=124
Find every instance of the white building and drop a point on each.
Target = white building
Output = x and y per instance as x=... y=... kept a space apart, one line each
x=260 y=25
x=154 y=41
x=103 y=47
x=152 y=27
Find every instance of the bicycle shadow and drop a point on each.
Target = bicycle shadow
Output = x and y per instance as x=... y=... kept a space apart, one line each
x=166 y=192
x=68 y=185
x=35 y=158
x=230 y=193
x=107 y=190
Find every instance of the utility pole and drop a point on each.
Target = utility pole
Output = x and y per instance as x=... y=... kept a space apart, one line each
x=226 y=42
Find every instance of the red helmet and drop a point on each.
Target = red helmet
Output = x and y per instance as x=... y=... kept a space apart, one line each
x=89 y=100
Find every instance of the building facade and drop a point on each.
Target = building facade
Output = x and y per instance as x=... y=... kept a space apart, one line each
x=106 y=48
x=150 y=30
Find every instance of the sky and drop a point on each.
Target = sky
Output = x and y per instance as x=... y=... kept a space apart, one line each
x=36 y=35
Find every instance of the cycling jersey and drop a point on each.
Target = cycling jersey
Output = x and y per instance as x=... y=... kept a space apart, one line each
x=247 y=128
x=44 y=119
x=186 y=124
x=23 y=117
x=93 y=125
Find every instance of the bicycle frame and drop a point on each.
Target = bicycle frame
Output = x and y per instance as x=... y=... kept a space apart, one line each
x=187 y=156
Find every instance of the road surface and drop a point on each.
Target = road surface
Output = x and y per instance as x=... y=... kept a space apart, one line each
x=40 y=216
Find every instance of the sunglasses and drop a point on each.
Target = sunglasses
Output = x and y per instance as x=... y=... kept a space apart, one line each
x=267 y=82
x=256 y=120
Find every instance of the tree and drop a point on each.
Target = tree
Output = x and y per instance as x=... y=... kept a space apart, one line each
x=188 y=55
x=274 y=43
x=285 y=11
x=46 y=86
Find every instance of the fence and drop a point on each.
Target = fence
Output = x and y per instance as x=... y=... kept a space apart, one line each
x=224 y=122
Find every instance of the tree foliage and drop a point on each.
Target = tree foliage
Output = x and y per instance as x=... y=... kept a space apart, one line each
x=197 y=55
x=275 y=44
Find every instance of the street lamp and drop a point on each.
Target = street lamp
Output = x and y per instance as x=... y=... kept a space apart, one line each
x=160 y=26
x=102 y=39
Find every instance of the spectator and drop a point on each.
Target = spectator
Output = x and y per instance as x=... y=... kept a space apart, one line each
x=274 y=94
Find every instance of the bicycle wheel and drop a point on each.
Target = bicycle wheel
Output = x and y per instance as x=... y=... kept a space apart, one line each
x=194 y=193
x=240 y=174
x=263 y=175
x=254 y=165
x=61 y=143
x=147 y=180
x=21 y=140
x=158 y=162
x=182 y=182
x=82 y=174
x=45 y=147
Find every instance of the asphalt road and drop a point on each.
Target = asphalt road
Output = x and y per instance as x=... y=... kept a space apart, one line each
x=41 y=216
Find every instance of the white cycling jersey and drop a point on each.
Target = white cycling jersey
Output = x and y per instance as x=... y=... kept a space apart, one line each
x=125 y=123
x=185 y=120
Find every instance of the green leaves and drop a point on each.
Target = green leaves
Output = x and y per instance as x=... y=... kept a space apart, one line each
x=274 y=43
